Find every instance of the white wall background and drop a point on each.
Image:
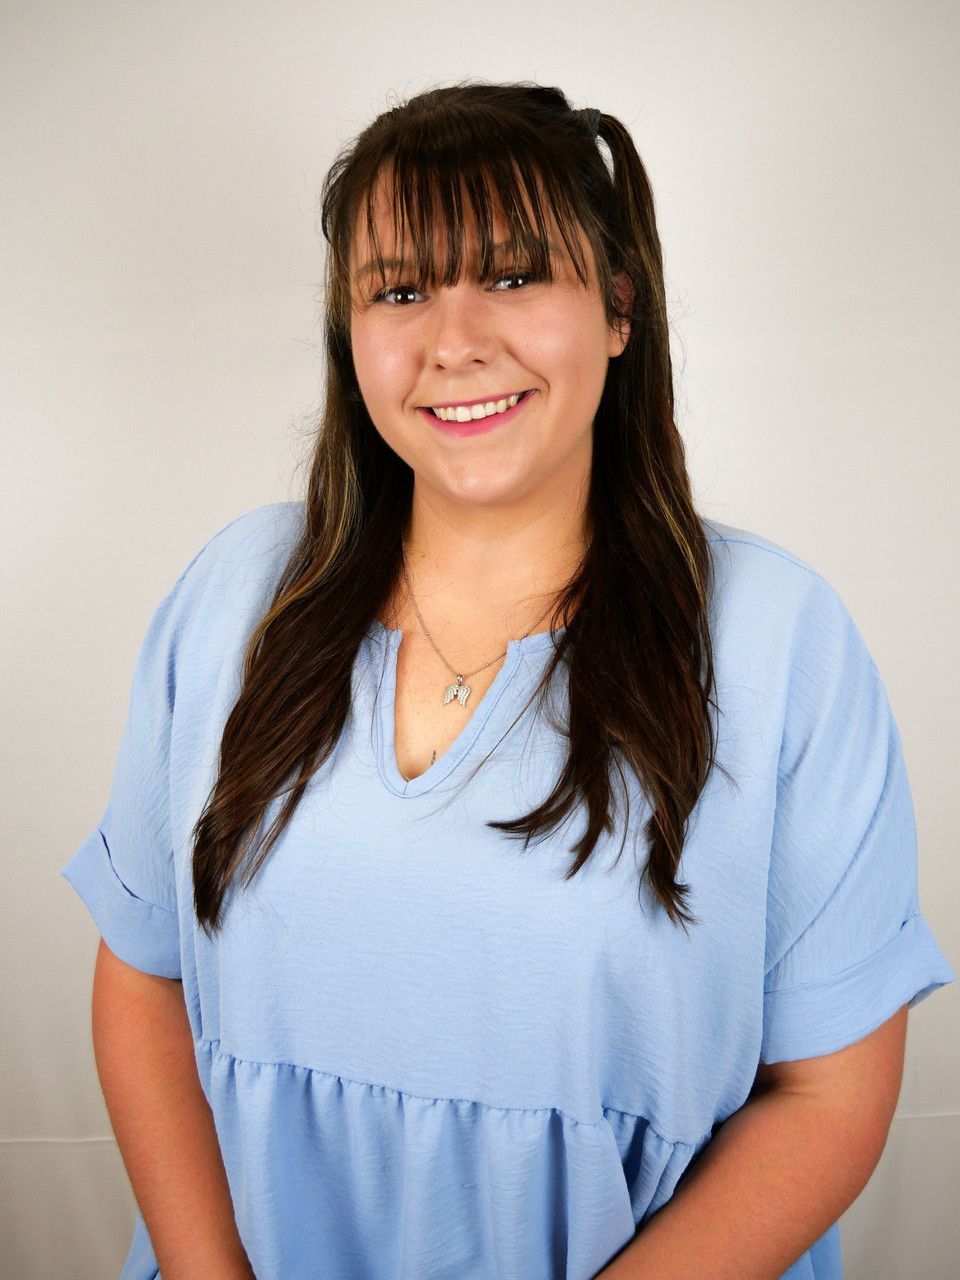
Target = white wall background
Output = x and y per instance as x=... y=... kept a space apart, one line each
x=160 y=261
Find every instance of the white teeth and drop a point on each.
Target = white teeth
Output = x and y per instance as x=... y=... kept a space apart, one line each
x=464 y=413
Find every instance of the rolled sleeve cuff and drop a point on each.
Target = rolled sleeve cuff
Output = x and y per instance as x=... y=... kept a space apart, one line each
x=826 y=1016
x=140 y=933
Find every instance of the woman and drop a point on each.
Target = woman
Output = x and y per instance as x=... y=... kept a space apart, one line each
x=431 y=1048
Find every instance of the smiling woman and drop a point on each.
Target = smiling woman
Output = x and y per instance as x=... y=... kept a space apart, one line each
x=372 y=815
x=525 y=314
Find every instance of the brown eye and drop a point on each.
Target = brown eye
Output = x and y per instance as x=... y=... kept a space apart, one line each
x=521 y=273
x=384 y=294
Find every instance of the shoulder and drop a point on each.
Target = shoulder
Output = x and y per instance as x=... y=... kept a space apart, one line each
x=246 y=555
x=760 y=582
x=777 y=620
x=229 y=580
x=752 y=554
x=253 y=541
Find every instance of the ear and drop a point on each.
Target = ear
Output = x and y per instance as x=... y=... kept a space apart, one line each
x=620 y=330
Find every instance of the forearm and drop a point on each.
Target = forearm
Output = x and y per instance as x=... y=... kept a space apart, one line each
x=770 y=1182
x=144 y=1053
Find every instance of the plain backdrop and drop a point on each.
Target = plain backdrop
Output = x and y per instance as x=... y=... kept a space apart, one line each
x=160 y=262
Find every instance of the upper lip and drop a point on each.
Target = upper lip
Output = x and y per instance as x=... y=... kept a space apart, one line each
x=468 y=404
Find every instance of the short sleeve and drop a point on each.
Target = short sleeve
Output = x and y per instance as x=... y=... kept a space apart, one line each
x=124 y=870
x=847 y=943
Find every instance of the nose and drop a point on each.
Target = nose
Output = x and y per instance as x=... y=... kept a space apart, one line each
x=460 y=328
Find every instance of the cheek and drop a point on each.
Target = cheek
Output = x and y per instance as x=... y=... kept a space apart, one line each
x=377 y=364
x=568 y=343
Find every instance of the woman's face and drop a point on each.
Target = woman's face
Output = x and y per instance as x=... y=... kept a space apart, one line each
x=483 y=342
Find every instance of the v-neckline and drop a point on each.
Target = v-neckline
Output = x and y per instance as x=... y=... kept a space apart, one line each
x=388 y=641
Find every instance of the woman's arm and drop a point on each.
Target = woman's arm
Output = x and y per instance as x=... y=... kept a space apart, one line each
x=143 y=1046
x=779 y=1171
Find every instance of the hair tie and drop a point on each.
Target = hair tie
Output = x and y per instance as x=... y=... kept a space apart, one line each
x=591 y=118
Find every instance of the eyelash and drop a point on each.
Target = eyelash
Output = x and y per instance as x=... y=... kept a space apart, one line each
x=510 y=275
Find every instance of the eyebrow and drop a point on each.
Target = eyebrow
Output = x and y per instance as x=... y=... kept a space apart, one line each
x=401 y=264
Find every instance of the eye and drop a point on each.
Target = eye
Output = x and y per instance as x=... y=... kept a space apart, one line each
x=522 y=273
x=384 y=294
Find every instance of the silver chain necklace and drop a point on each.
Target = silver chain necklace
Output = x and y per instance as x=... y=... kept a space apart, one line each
x=458 y=689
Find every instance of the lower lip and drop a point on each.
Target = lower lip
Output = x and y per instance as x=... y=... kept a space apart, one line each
x=477 y=426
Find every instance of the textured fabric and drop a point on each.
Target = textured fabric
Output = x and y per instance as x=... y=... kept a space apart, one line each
x=428 y=1055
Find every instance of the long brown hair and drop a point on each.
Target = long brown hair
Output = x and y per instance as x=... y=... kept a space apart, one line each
x=636 y=641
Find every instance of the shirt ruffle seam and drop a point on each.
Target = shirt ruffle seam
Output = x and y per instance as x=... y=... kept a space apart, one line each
x=215 y=1046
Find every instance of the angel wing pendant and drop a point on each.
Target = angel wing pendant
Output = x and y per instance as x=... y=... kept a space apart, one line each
x=458 y=690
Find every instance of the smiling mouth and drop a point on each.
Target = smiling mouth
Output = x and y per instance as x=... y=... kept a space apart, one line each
x=482 y=409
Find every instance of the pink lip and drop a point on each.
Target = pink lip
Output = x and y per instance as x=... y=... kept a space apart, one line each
x=479 y=425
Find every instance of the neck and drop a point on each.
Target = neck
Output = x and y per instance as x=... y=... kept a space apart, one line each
x=498 y=600
x=490 y=569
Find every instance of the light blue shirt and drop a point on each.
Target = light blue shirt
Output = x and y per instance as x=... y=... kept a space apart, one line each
x=427 y=1054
